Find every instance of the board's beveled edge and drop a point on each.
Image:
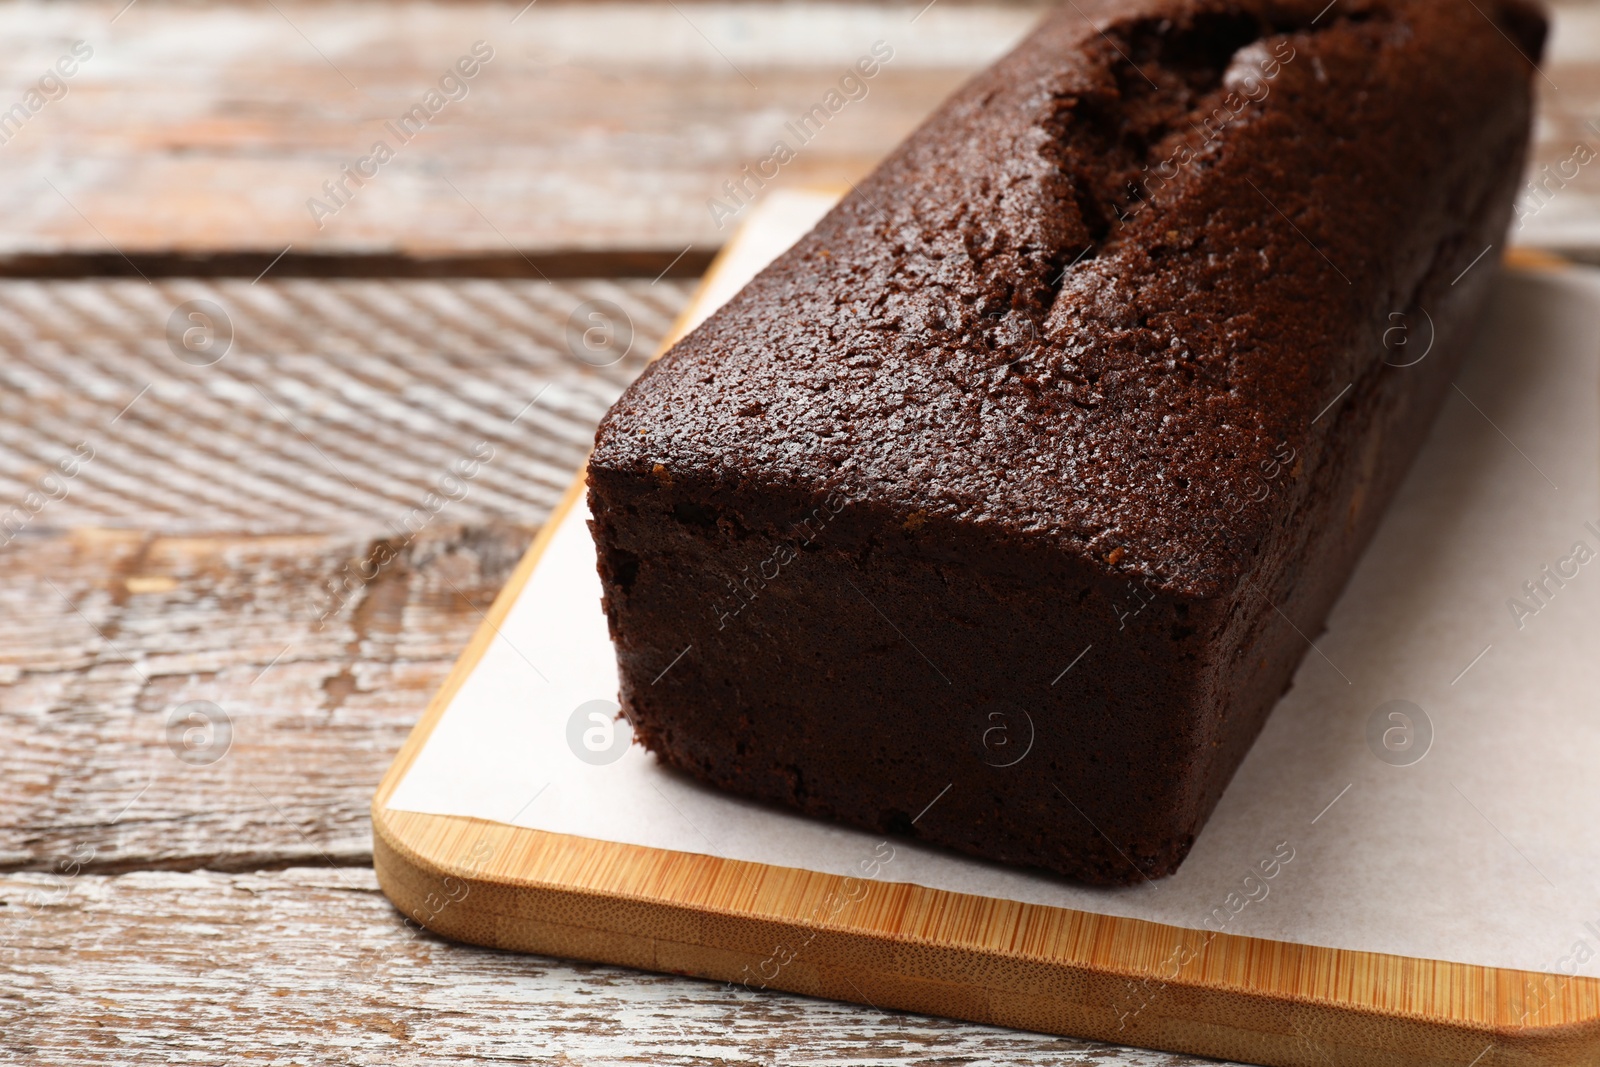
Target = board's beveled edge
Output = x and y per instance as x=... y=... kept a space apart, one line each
x=913 y=948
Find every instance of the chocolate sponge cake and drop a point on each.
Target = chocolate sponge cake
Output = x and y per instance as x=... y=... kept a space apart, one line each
x=998 y=510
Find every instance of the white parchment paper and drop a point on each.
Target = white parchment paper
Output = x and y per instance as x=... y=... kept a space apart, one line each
x=1484 y=851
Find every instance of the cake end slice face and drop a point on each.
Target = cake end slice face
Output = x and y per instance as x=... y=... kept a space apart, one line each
x=912 y=678
x=1000 y=510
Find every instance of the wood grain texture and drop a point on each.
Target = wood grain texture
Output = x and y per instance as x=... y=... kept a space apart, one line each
x=313 y=965
x=228 y=485
x=204 y=129
x=196 y=134
x=107 y=633
x=340 y=405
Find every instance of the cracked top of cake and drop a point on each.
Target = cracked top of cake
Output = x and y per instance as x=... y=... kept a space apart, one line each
x=1101 y=295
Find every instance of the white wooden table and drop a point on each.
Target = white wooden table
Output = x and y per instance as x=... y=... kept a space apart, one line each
x=161 y=905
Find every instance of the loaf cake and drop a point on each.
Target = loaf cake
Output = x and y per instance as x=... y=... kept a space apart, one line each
x=999 y=511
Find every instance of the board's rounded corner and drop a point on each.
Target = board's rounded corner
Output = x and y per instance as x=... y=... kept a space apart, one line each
x=384 y=834
x=396 y=864
x=426 y=872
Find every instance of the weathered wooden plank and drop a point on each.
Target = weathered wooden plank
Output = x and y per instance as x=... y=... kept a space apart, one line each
x=350 y=420
x=312 y=965
x=208 y=129
x=196 y=134
x=189 y=702
x=340 y=405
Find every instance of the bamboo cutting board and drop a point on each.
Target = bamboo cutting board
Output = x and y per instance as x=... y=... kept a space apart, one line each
x=898 y=945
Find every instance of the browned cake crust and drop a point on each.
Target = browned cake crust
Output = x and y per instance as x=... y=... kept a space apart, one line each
x=1096 y=360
